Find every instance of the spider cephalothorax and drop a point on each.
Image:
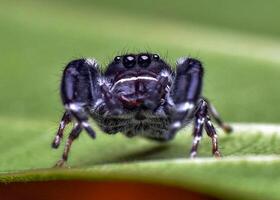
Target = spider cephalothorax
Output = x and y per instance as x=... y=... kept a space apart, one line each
x=138 y=94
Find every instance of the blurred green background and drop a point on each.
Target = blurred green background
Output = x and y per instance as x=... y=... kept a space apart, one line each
x=237 y=41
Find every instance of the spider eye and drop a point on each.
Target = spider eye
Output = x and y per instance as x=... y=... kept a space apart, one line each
x=117 y=59
x=144 y=60
x=129 y=61
x=156 y=56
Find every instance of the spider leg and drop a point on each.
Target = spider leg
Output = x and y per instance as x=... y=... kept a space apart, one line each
x=156 y=92
x=214 y=113
x=186 y=92
x=198 y=130
x=211 y=132
x=72 y=136
x=81 y=115
x=66 y=119
x=79 y=89
x=202 y=119
x=111 y=102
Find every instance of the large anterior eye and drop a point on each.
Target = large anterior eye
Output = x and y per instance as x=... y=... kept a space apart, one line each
x=144 y=60
x=129 y=61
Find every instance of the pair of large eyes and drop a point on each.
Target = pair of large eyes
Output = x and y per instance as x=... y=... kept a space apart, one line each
x=143 y=60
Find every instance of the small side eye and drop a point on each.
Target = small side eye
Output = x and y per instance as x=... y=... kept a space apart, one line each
x=117 y=59
x=156 y=56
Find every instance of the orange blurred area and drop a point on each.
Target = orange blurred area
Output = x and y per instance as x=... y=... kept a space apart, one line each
x=86 y=190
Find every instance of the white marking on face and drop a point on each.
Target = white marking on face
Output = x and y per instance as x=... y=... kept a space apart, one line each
x=135 y=78
x=182 y=107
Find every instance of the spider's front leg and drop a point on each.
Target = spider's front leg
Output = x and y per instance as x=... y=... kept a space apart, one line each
x=186 y=94
x=186 y=91
x=78 y=91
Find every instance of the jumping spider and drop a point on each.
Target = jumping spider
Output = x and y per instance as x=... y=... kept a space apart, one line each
x=138 y=95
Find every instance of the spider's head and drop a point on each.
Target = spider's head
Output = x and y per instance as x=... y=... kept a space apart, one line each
x=134 y=76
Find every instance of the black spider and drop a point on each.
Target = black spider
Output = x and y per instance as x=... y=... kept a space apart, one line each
x=138 y=95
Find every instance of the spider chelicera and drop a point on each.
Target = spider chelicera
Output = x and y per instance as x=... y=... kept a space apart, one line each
x=137 y=95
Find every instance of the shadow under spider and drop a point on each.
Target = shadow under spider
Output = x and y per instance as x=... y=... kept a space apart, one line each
x=160 y=151
x=146 y=154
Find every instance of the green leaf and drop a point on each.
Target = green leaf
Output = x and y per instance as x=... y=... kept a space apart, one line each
x=249 y=164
